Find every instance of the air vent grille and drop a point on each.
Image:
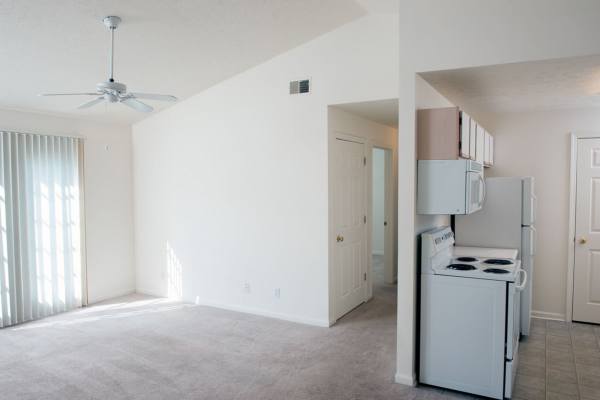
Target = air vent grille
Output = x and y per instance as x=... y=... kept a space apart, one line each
x=300 y=86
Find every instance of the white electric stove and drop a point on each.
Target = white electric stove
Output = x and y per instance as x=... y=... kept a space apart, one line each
x=469 y=326
x=482 y=263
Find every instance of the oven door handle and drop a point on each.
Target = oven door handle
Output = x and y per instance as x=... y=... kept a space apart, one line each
x=520 y=287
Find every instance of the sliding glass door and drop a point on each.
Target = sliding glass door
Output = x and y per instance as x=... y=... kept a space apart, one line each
x=40 y=226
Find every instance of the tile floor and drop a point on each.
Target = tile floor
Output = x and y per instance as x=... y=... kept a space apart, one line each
x=559 y=361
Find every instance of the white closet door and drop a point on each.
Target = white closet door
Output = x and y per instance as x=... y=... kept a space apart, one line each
x=350 y=210
x=586 y=288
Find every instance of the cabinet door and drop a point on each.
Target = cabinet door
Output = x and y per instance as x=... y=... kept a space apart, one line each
x=473 y=139
x=480 y=145
x=491 y=150
x=465 y=131
x=486 y=148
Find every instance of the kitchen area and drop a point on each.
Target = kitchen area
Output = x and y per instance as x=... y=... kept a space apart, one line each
x=488 y=321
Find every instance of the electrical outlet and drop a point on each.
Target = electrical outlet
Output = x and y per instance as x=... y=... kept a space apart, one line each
x=246 y=287
x=277 y=293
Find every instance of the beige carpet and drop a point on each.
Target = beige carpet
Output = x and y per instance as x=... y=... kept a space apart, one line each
x=146 y=348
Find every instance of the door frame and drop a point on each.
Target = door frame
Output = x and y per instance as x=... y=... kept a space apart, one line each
x=389 y=204
x=337 y=135
x=575 y=136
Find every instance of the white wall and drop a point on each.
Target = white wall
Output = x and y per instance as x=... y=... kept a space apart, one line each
x=108 y=196
x=378 y=201
x=234 y=179
x=437 y=35
x=548 y=132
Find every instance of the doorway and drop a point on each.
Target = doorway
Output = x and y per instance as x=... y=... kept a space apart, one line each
x=382 y=237
x=586 y=243
x=362 y=198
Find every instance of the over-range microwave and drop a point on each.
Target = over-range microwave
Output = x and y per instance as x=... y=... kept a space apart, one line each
x=450 y=187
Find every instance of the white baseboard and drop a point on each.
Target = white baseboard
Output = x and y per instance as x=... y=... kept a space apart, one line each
x=149 y=292
x=109 y=296
x=408 y=380
x=547 y=315
x=264 y=313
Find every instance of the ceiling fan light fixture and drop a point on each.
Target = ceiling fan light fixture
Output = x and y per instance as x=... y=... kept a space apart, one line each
x=111 y=98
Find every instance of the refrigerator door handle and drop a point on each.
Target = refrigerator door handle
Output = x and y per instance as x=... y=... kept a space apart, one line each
x=520 y=287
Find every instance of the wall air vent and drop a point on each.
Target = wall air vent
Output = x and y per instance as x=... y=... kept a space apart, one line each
x=299 y=87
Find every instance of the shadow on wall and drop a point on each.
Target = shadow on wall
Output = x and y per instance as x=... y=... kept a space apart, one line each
x=174 y=274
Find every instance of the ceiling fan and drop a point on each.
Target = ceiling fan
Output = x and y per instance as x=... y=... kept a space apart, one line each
x=116 y=92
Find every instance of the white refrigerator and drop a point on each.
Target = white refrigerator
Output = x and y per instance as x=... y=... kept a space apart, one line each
x=506 y=221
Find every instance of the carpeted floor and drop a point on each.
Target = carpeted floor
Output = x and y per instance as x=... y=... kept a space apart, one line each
x=146 y=348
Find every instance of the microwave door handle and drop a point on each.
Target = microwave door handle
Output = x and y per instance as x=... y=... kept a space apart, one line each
x=484 y=190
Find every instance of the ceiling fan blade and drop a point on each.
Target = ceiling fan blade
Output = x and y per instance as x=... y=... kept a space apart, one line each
x=137 y=105
x=69 y=94
x=153 y=96
x=91 y=103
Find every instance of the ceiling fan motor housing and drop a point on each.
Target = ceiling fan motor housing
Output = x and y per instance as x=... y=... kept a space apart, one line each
x=112 y=21
x=111 y=90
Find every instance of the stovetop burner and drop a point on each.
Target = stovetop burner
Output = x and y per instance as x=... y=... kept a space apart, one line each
x=496 y=271
x=498 y=261
x=461 y=267
x=466 y=259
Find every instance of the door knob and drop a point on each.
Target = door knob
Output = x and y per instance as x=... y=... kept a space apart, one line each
x=340 y=238
x=583 y=240
x=384 y=223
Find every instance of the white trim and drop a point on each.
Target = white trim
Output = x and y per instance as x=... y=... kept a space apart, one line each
x=409 y=380
x=249 y=310
x=263 y=313
x=547 y=315
x=117 y=294
x=568 y=316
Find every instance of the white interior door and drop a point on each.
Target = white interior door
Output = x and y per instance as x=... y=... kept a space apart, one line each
x=586 y=285
x=350 y=258
x=389 y=225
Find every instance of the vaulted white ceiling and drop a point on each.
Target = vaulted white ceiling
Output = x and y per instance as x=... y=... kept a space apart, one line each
x=174 y=47
x=530 y=86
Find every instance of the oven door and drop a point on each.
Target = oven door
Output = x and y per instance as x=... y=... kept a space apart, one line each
x=475 y=193
x=513 y=320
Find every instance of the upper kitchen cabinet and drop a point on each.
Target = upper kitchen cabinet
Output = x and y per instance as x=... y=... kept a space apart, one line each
x=488 y=160
x=480 y=147
x=451 y=134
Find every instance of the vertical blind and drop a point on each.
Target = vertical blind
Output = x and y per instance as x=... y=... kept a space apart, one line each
x=40 y=233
